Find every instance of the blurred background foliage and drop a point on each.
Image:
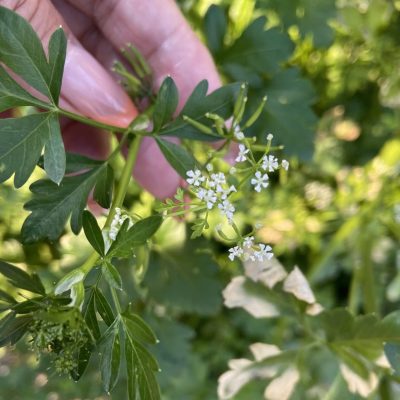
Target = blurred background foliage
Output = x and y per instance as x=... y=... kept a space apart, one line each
x=330 y=70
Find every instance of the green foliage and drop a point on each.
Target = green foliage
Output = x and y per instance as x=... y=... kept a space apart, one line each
x=111 y=356
x=181 y=160
x=22 y=51
x=57 y=53
x=93 y=232
x=330 y=74
x=52 y=205
x=112 y=275
x=140 y=364
x=166 y=103
x=198 y=104
x=24 y=138
x=311 y=19
x=21 y=279
x=185 y=279
x=135 y=236
x=257 y=57
x=13 y=95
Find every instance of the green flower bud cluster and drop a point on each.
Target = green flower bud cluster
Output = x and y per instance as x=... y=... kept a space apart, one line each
x=62 y=333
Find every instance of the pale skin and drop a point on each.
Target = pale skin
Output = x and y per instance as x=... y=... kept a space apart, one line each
x=96 y=30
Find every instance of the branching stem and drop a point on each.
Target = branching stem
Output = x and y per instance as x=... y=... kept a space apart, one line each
x=119 y=196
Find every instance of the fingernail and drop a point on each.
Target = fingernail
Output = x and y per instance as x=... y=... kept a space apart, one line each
x=90 y=89
x=153 y=172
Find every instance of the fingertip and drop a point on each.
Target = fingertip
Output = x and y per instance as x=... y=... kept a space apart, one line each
x=90 y=89
x=153 y=172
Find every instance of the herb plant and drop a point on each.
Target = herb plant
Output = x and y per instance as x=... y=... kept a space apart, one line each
x=92 y=311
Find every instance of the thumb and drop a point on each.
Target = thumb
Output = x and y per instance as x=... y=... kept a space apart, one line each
x=87 y=87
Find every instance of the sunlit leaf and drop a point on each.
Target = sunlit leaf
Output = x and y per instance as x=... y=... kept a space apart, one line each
x=282 y=387
x=297 y=284
x=69 y=280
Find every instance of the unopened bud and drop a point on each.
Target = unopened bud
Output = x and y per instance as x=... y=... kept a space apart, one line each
x=256 y=113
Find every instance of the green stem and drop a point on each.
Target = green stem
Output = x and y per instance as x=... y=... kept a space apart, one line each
x=89 y=263
x=182 y=212
x=116 y=300
x=262 y=147
x=119 y=197
x=246 y=178
x=369 y=292
x=354 y=295
x=125 y=178
x=91 y=122
x=219 y=149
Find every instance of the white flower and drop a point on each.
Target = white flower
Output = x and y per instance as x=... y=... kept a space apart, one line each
x=217 y=180
x=242 y=153
x=250 y=251
x=269 y=163
x=285 y=164
x=235 y=252
x=270 y=136
x=258 y=225
x=259 y=181
x=226 y=192
x=227 y=209
x=195 y=177
x=209 y=167
x=239 y=135
x=264 y=253
x=248 y=242
x=233 y=171
x=208 y=196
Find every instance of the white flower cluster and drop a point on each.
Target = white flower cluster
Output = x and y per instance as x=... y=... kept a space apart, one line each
x=268 y=163
x=213 y=191
x=248 y=250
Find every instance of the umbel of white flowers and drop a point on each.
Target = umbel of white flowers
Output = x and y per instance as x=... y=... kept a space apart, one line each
x=213 y=191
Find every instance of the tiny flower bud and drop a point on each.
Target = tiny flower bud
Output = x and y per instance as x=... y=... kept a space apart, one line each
x=253 y=118
x=285 y=164
x=198 y=125
x=240 y=102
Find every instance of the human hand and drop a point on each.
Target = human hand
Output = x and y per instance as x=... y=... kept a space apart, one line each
x=96 y=30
